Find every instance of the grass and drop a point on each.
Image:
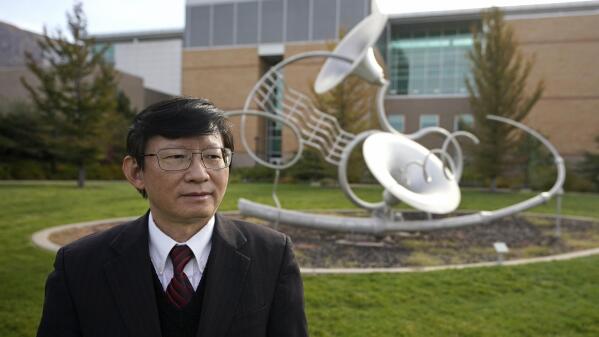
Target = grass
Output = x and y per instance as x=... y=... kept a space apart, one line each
x=550 y=299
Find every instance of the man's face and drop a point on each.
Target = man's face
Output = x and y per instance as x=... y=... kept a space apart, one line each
x=183 y=197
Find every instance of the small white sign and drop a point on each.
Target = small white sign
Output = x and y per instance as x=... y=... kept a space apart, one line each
x=501 y=247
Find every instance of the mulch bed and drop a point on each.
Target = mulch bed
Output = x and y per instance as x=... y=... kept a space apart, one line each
x=526 y=236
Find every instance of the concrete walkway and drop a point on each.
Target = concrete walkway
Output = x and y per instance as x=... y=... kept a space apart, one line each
x=41 y=239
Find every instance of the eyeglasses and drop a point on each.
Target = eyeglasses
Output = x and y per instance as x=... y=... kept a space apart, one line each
x=180 y=159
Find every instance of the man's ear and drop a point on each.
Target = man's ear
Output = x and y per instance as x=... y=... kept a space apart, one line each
x=133 y=172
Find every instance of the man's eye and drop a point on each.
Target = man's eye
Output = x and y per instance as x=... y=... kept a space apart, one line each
x=174 y=156
x=212 y=156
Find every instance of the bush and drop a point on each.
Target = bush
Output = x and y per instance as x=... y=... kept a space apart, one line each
x=105 y=172
x=257 y=173
x=589 y=167
x=311 y=167
x=577 y=182
x=28 y=169
x=35 y=170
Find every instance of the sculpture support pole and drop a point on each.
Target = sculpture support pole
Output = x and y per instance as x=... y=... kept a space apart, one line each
x=276 y=198
x=558 y=215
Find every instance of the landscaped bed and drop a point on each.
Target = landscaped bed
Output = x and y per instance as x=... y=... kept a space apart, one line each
x=525 y=235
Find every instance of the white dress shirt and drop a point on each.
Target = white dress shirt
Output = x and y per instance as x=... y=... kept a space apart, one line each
x=161 y=245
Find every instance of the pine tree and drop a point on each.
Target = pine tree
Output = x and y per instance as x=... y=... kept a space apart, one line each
x=21 y=133
x=112 y=130
x=76 y=89
x=589 y=167
x=351 y=102
x=498 y=87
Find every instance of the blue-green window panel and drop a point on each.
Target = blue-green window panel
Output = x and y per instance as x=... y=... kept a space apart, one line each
x=397 y=122
x=431 y=58
x=428 y=121
x=108 y=54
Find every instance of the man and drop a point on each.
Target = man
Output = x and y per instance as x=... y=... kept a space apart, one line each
x=181 y=269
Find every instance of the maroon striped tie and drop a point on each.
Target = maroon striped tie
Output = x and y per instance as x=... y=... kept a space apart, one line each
x=179 y=291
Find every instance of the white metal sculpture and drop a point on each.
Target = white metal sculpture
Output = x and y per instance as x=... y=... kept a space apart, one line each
x=425 y=179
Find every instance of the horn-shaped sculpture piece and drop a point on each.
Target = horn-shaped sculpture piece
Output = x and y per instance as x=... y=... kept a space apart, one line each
x=357 y=46
x=411 y=173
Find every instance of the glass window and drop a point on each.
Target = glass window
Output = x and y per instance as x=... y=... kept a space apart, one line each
x=397 y=122
x=273 y=130
x=247 y=22
x=223 y=25
x=298 y=20
x=325 y=17
x=198 y=26
x=429 y=59
x=272 y=21
x=351 y=12
x=428 y=121
x=108 y=54
x=462 y=120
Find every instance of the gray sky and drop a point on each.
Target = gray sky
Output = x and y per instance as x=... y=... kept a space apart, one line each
x=108 y=16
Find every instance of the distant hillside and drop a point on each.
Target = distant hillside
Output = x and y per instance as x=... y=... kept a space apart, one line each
x=13 y=44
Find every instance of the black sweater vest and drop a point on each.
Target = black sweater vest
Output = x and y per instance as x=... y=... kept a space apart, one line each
x=179 y=322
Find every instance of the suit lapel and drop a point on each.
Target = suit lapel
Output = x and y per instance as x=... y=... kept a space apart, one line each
x=225 y=279
x=129 y=276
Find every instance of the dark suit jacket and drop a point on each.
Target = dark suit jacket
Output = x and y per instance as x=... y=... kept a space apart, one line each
x=102 y=285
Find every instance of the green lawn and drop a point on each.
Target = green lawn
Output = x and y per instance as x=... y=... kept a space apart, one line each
x=549 y=299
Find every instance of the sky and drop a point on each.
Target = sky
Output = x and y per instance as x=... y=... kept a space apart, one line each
x=110 y=16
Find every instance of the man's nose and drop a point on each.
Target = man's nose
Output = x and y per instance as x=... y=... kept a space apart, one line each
x=196 y=170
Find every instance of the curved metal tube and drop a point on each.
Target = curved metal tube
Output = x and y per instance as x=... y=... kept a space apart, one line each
x=381 y=225
x=385 y=125
x=558 y=160
x=251 y=153
x=285 y=62
x=342 y=173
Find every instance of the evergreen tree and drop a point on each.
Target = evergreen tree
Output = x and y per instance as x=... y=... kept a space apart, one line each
x=113 y=128
x=589 y=167
x=498 y=87
x=21 y=133
x=351 y=102
x=76 y=89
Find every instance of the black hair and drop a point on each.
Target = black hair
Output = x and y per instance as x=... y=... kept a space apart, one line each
x=174 y=118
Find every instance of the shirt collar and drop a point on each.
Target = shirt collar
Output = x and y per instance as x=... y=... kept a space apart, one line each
x=161 y=245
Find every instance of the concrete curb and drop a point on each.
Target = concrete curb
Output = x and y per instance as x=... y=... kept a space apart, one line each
x=560 y=257
x=41 y=239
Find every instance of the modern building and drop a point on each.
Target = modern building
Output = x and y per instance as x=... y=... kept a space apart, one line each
x=228 y=45
x=426 y=62
x=14 y=42
x=154 y=56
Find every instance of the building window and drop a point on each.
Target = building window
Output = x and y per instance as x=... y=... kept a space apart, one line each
x=298 y=20
x=428 y=121
x=222 y=32
x=247 y=22
x=325 y=20
x=271 y=21
x=108 y=54
x=429 y=59
x=242 y=22
x=274 y=129
x=462 y=120
x=398 y=122
x=197 y=26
